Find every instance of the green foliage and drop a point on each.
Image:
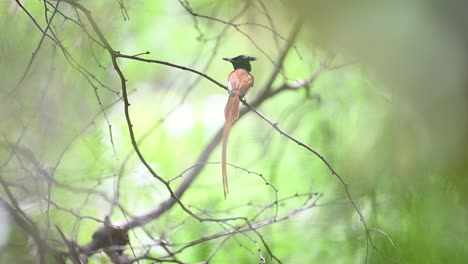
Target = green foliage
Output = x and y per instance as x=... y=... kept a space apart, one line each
x=398 y=141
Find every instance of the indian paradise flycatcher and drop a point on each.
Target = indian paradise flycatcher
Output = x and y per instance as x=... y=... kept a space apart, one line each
x=239 y=82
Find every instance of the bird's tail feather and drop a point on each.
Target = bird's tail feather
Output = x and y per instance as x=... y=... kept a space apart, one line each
x=231 y=113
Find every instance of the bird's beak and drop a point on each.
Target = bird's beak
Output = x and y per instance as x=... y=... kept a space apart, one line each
x=227 y=59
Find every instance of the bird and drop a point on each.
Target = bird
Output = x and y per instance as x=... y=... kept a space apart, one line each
x=239 y=82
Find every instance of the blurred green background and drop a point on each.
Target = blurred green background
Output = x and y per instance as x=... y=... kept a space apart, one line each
x=391 y=118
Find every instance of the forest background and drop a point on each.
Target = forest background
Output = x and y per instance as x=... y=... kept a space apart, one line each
x=351 y=147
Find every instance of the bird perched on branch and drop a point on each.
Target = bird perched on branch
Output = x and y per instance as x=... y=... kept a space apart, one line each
x=239 y=82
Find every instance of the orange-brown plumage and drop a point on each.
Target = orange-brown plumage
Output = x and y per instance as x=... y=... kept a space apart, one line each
x=239 y=83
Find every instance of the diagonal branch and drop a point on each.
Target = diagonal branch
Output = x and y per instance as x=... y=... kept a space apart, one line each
x=38 y=46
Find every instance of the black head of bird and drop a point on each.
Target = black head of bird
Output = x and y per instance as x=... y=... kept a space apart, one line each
x=241 y=62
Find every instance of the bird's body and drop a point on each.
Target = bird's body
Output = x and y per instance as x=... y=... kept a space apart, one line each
x=239 y=82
